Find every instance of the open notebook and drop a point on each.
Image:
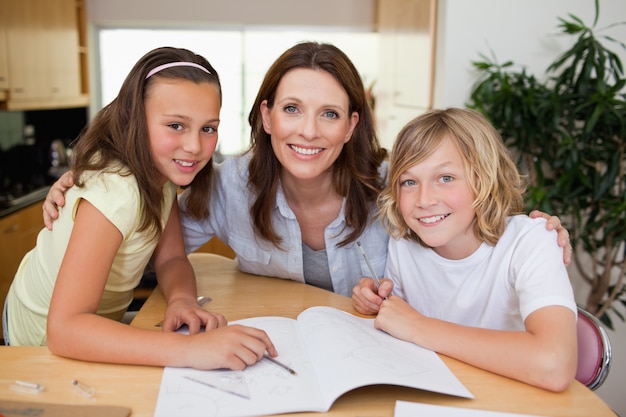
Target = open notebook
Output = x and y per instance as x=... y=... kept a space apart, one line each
x=331 y=351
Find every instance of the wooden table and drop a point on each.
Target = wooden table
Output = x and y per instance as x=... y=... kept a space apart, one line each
x=238 y=295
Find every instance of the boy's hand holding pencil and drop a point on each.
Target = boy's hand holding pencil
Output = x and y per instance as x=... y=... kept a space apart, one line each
x=367 y=298
x=369 y=293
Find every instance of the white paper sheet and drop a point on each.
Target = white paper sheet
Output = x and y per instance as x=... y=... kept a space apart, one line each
x=409 y=409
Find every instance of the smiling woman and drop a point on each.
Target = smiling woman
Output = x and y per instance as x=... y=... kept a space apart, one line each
x=308 y=184
x=309 y=122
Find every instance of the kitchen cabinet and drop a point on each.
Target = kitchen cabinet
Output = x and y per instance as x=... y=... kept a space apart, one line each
x=4 y=66
x=18 y=235
x=43 y=54
x=407 y=30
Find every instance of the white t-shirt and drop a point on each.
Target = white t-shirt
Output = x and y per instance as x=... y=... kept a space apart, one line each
x=496 y=287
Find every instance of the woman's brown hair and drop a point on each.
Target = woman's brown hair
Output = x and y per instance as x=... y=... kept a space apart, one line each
x=355 y=172
x=117 y=138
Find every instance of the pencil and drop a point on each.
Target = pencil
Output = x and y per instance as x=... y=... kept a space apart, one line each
x=369 y=265
x=282 y=365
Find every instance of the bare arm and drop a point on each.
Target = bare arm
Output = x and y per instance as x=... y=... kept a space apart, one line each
x=76 y=331
x=543 y=355
x=177 y=281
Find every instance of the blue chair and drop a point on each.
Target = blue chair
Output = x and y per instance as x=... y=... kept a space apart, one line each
x=594 y=350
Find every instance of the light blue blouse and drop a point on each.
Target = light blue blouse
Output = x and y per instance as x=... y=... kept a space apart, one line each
x=230 y=221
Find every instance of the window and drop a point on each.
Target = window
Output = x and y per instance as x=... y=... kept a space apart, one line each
x=240 y=57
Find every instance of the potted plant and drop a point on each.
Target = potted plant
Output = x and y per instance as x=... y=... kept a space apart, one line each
x=569 y=134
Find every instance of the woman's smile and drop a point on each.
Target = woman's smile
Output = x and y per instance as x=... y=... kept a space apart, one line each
x=305 y=150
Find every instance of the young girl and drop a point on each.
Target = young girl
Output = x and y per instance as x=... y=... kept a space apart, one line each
x=159 y=133
x=471 y=277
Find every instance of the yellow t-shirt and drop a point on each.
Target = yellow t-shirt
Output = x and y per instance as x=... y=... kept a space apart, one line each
x=117 y=198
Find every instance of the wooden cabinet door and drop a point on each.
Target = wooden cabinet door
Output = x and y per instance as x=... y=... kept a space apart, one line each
x=43 y=55
x=407 y=30
x=63 y=57
x=18 y=235
x=414 y=53
x=4 y=66
x=4 y=63
x=26 y=48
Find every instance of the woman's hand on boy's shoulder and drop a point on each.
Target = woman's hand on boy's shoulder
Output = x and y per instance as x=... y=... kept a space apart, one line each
x=554 y=223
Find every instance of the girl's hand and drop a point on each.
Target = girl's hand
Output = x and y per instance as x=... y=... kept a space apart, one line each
x=366 y=298
x=232 y=347
x=56 y=198
x=180 y=312
x=554 y=223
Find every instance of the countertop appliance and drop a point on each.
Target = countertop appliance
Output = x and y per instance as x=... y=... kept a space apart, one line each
x=26 y=169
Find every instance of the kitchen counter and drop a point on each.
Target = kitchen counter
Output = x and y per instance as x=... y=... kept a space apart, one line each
x=16 y=204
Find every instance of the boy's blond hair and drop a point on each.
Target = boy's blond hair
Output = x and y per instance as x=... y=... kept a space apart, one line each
x=493 y=176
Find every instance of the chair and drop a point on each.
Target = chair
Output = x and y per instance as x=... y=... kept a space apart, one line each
x=594 y=350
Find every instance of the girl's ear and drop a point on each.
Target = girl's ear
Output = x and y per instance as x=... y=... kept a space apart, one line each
x=265 y=115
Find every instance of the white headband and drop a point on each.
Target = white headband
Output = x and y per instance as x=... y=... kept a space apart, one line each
x=176 y=64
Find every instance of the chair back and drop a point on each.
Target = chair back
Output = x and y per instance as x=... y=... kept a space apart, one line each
x=594 y=350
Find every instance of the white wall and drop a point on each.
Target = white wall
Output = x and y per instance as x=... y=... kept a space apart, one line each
x=524 y=31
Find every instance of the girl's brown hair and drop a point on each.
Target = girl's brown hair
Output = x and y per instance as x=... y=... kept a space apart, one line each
x=117 y=138
x=493 y=176
x=355 y=172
